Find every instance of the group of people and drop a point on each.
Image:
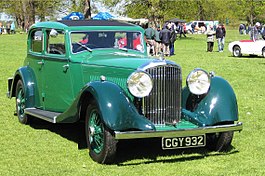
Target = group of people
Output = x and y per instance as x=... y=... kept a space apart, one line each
x=255 y=32
x=219 y=34
x=161 y=41
x=244 y=28
x=9 y=28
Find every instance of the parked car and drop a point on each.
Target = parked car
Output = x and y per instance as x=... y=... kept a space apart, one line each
x=199 y=24
x=99 y=73
x=251 y=47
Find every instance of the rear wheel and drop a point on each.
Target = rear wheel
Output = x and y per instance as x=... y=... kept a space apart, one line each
x=237 y=51
x=101 y=144
x=263 y=52
x=21 y=103
x=220 y=142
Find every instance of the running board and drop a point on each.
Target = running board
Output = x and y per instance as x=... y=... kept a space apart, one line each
x=42 y=114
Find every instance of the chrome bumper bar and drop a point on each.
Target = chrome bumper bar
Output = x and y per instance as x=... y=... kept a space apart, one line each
x=178 y=133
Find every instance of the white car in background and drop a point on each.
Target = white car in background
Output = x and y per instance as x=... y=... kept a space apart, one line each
x=238 y=48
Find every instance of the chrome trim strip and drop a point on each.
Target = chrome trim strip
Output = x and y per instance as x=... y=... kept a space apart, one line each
x=178 y=133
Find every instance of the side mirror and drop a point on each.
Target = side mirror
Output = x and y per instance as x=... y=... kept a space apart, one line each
x=53 y=33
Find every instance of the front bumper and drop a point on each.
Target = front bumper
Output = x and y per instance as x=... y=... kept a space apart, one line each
x=178 y=133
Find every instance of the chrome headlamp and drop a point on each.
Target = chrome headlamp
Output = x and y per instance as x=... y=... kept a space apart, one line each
x=198 y=82
x=140 y=84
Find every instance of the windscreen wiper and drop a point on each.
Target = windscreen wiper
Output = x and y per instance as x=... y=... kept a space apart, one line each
x=84 y=46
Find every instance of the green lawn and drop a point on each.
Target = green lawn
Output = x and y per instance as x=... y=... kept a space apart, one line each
x=52 y=149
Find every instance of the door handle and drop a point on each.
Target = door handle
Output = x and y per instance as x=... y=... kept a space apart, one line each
x=41 y=62
x=65 y=67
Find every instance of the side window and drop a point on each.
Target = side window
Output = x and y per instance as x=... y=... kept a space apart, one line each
x=36 y=41
x=55 y=42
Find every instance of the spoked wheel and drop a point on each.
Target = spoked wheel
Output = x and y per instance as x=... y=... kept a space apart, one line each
x=101 y=144
x=237 y=51
x=21 y=103
x=220 y=142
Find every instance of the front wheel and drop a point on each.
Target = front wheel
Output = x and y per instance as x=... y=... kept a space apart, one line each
x=237 y=51
x=101 y=144
x=21 y=103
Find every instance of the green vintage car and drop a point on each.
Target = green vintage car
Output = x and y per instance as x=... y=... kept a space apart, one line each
x=99 y=73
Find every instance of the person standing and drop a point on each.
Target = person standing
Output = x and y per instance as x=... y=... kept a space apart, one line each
x=220 y=37
x=1 y=27
x=8 y=26
x=173 y=35
x=210 y=38
x=165 y=39
x=157 y=41
x=181 y=30
x=254 y=34
x=149 y=35
x=13 y=28
x=192 y=28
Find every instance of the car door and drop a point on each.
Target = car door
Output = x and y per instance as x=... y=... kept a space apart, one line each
x=57 y=93
x=247 y=46
x=34 y=61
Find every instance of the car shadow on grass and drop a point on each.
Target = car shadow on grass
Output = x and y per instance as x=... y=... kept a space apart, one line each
x=132 y=151
x=146 y=151
x=247 y=57
x=71 y=131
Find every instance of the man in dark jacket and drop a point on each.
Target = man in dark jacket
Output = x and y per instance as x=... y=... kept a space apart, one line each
x=173 y=37
x=149 y=35
x=220 y=36
x=165 y=39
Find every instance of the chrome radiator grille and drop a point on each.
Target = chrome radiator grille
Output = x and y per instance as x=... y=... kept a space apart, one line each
x=162 y=106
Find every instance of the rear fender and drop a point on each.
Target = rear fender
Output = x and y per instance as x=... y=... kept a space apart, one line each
x=24 y=74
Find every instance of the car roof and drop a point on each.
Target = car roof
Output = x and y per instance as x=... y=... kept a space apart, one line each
x=74 y=24
x=94 y=23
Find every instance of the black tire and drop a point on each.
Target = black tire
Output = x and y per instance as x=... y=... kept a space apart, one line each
x=237 y=51
x=263 y=52
x=21 y=103
x=101 y=144
x=220 y=142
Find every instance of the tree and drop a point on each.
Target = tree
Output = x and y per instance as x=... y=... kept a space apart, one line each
x=87 y=10
x=26 y=11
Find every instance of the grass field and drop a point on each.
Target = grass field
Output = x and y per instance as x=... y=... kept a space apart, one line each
x=52 y=149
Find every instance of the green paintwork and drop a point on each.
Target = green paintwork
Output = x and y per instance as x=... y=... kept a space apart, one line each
x=219 y=105
x=59 y=83
x=25 y=73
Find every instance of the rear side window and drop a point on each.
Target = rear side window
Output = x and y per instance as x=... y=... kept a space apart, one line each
x=36 y=41
x=55 y=42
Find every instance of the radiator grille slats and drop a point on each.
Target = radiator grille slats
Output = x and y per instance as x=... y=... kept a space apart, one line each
x=162 y=106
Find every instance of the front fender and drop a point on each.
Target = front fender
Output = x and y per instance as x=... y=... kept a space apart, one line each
x=25 y=74
x=117 y=111
x=219 y=105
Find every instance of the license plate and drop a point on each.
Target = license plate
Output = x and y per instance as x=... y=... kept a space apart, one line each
x=183 y=142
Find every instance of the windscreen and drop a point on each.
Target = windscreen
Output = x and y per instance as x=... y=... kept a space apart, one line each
x=106 y=39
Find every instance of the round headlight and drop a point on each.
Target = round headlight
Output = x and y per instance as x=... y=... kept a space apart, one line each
x=140 y=84
x=198 y=82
